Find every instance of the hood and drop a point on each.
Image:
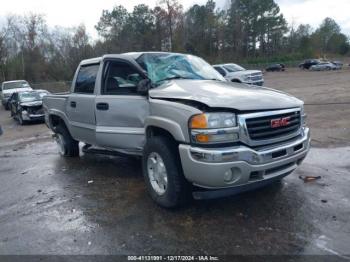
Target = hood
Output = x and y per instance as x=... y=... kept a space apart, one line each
x=34 y=103
x=226 y=95
x=10 y=91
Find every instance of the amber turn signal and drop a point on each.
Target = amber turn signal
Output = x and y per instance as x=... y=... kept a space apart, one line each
x=199 y=121
x=201 y=138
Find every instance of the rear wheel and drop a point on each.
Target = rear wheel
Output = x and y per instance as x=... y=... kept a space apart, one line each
x=163 y=173
x=67 y=146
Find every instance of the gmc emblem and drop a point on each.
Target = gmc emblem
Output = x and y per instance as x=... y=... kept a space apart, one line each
x=284 y=121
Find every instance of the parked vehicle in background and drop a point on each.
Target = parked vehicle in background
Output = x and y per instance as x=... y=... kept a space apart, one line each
x=9 y=87
x=338 y=64
x=275 y=68
x=27 y=106
x=323 y=66
x=190 y=125
x=309 y=63
x=235 y=73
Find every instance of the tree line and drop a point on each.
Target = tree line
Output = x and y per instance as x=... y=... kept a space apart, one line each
x=246 y=31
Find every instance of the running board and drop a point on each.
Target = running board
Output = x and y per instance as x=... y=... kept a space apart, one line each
x=88 y=149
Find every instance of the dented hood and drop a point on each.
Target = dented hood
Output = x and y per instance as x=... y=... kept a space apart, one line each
x=225 y=94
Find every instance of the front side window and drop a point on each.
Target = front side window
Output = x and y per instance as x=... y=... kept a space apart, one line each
x=120 y=78
x=86 y=79
x=233 y=68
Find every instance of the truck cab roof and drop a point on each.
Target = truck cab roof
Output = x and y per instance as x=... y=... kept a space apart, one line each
x=127 y=56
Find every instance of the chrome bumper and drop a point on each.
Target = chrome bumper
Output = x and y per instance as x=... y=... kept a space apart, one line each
x=241 y=165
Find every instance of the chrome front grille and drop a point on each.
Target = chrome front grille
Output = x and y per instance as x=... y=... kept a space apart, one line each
x=261 y=128
x=35 y=110
x=255 y=128
x=256 y=76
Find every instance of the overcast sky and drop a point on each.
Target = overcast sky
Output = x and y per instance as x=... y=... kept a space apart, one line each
x=70 y=13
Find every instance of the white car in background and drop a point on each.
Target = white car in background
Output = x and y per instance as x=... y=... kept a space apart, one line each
x=323 y=66
x=235 y=73
x=10 y=87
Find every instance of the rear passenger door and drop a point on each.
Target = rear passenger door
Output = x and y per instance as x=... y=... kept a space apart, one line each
x=80 y=106
x=120 y=109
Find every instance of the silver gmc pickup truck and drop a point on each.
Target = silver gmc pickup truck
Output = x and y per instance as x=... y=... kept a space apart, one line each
x=198 y=135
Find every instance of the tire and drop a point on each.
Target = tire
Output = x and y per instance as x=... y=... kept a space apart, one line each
x=177 y=191
x=20 y=119
x=68 y=147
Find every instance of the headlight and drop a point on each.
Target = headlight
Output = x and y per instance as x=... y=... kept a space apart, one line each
x=246 y=78
x=212 y=128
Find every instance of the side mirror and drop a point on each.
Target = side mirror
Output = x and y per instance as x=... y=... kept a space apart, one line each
x=143 y=86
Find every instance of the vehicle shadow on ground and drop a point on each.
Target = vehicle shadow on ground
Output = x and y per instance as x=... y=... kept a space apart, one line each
x=112 y=197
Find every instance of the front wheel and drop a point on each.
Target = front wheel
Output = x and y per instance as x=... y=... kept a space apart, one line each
x=66 y=144
x=20 y=119
x=163 y=174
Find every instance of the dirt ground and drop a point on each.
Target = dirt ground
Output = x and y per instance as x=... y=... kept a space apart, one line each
x=47 y=205
x=327 y=102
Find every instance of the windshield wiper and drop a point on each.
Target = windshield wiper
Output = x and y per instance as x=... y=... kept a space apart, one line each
x=172 y=78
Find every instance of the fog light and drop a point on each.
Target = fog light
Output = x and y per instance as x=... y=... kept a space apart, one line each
x=228 y=176
x=255 y=158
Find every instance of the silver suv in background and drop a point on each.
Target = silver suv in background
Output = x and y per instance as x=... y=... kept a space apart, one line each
x=10 y=87
x=236 y=73
x=196 y=132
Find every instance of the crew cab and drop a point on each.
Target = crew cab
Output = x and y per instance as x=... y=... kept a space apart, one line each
x=236 y=73
x=199 y=136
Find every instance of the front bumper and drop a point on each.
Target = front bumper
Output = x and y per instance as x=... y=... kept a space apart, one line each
x=32 y=117
x=256 y=83
x=234 y=167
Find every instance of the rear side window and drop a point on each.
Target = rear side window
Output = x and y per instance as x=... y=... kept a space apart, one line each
x=86 y=79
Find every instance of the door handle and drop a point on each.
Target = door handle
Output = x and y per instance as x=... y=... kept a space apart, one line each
x=73 y=104
x=102 y=106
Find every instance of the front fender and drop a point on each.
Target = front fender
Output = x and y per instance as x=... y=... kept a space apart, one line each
x=169 y=125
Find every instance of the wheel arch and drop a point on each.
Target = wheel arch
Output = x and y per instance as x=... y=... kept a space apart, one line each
x=153 y=131
x=156 y=126
x=56 y=120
